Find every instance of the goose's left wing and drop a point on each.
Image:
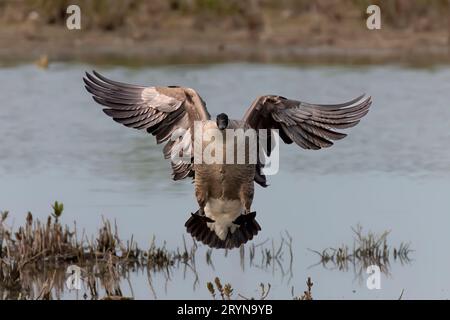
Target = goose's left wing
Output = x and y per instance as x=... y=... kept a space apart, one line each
x=311 y=126
x=158 y=110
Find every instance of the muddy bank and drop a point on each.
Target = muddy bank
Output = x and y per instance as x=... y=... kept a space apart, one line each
x=95 y=47
x=179 y=31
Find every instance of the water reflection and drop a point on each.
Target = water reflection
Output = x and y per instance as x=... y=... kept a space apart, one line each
x=392 y=173
x=367 y=250
x=36 y=258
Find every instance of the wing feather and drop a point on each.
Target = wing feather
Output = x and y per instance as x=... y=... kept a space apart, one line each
x=310 y=126
x=158 y=110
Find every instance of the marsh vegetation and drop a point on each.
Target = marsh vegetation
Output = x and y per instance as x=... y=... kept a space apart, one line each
x=36 y=256
x=366 y=250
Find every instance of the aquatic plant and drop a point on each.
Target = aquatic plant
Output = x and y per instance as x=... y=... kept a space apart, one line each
x=307 y=294
x=367 y=249
x=35 y=256
x=35 y=249
x=226 y=291
x=58 y=209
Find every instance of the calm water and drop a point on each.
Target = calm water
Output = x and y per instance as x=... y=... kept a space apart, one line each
x=391 y=173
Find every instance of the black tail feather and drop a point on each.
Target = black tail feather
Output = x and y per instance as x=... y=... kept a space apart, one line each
x=248 y=227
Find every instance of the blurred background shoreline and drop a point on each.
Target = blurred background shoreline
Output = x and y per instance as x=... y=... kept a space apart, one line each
x=137 y=32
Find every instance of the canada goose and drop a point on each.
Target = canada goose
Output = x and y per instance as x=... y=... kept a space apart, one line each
x=224 y=192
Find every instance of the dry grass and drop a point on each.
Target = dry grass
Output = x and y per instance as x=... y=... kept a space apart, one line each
x=225 y=292
x=367 y=249
x=307 y=294
x=35 y=256
x=33 y=259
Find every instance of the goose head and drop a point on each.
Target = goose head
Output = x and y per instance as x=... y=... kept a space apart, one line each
x=222 y=121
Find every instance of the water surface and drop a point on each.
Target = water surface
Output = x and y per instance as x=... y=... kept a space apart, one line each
x=391 y=173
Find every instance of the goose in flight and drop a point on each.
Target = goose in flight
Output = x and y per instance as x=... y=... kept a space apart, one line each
x=224 y=191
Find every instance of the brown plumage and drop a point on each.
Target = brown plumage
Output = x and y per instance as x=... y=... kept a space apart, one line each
x=158 y=110
x=224 y=192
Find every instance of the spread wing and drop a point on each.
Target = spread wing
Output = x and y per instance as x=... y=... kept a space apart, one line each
x=311 y=126
x=165 y=112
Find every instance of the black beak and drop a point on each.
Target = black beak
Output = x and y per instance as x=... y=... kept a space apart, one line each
x=222 y=125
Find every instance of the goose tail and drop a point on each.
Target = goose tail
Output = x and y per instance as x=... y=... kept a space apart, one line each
x=247 y=228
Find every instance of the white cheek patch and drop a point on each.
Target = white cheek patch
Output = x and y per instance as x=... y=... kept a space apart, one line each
x=223 y=212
